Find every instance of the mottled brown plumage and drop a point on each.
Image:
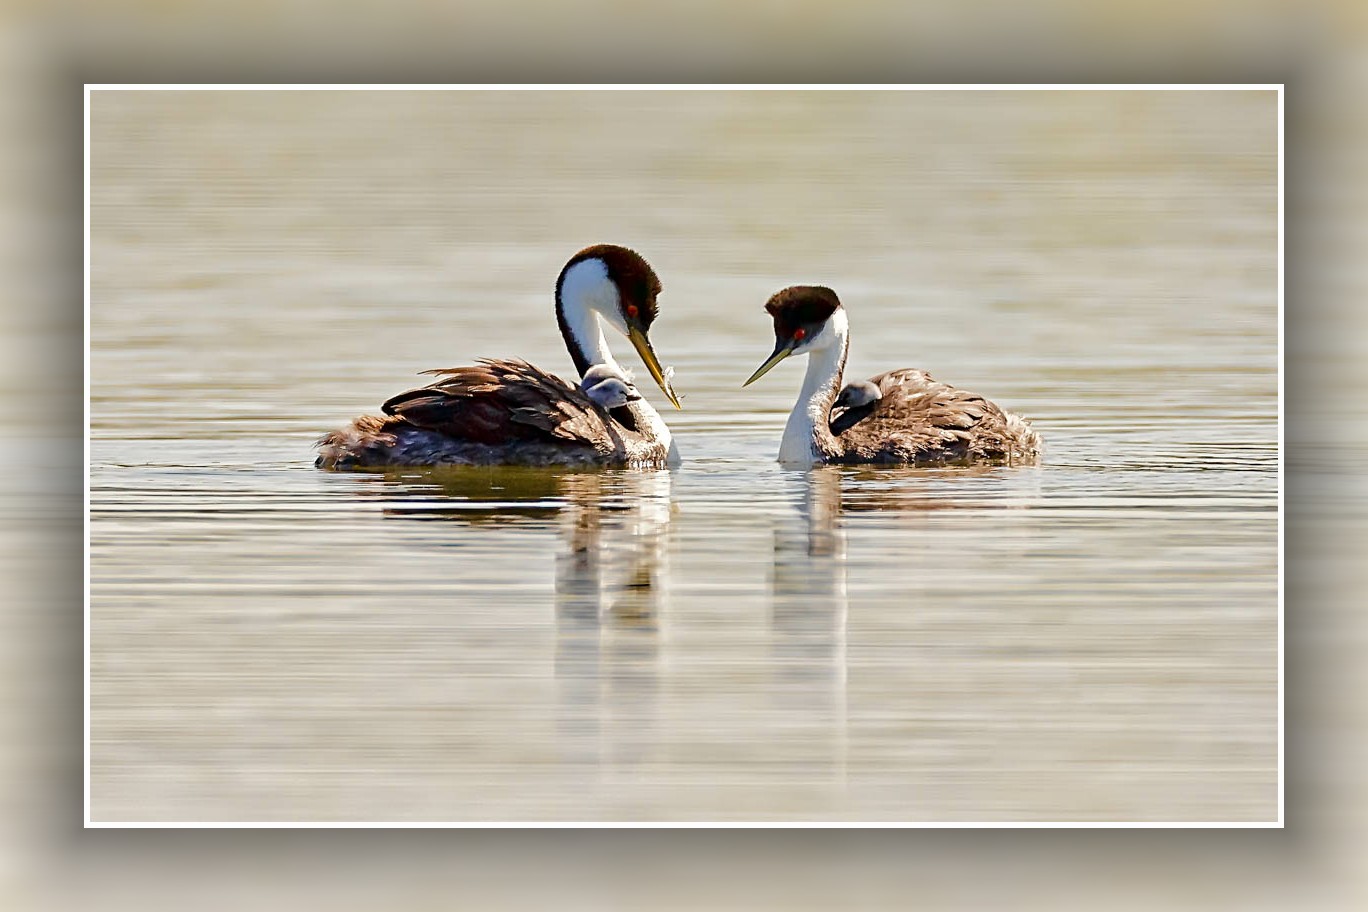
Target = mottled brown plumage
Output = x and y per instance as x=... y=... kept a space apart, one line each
x=918 y=419
x=497 y=411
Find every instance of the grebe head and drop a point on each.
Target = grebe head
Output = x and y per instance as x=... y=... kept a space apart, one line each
x=608 y=387
x=802 y=323
x=620 y=286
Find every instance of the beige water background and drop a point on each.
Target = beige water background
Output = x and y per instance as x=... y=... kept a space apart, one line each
x=1094 y=638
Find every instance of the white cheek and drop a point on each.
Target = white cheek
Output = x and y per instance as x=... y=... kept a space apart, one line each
x=819 y=339
x=586 y=284
x=831 y=333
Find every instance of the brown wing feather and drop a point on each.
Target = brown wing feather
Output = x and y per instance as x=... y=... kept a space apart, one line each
x=919 y=419
x=502 y=401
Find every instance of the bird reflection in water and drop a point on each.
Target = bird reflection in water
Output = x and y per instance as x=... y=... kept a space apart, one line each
x=611 y=591
x=611 y=570
x=808 y=583
x=808 y=608
x=610 y=574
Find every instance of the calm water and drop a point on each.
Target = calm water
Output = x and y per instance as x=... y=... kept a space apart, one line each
x=1093 y=638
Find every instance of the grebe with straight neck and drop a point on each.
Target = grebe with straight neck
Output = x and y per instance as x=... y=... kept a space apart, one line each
x=508 y=412
x=899 y=417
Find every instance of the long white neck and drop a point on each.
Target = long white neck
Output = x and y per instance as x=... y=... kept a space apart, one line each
x=586 y=293
x=807 y=428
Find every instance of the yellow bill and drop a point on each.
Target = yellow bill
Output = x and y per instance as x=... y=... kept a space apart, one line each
x=648 y=355
x=781 y=351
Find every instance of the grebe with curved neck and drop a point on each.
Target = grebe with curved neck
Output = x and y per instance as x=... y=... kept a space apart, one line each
x=899 y=417
x=508 y=412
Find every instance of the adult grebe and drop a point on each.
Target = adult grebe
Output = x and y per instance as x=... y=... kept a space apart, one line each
x=508 y=412
x=902 y=416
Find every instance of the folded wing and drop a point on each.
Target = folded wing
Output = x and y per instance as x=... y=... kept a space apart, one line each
x=501 y=402
x=920 y=419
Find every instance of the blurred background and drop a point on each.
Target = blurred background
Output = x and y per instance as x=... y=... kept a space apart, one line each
x=1318 y=45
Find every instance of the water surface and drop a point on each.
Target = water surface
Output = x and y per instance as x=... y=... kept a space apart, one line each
x=1092 y=638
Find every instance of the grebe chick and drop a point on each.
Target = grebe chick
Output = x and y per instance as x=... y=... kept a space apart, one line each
x=854 y=403
x=608 y=387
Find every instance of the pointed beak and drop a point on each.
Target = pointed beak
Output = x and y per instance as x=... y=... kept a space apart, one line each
x=648 y=355
x=782 y=349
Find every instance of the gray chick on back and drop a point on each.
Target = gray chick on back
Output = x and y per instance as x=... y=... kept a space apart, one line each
x=853 y=405
x=607 y=387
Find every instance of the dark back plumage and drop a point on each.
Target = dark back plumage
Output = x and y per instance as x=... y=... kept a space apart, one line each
x=499 y=400
x=495 y=411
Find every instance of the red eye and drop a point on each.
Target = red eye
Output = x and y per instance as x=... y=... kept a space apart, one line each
x=632 y=310
x=799 y=335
